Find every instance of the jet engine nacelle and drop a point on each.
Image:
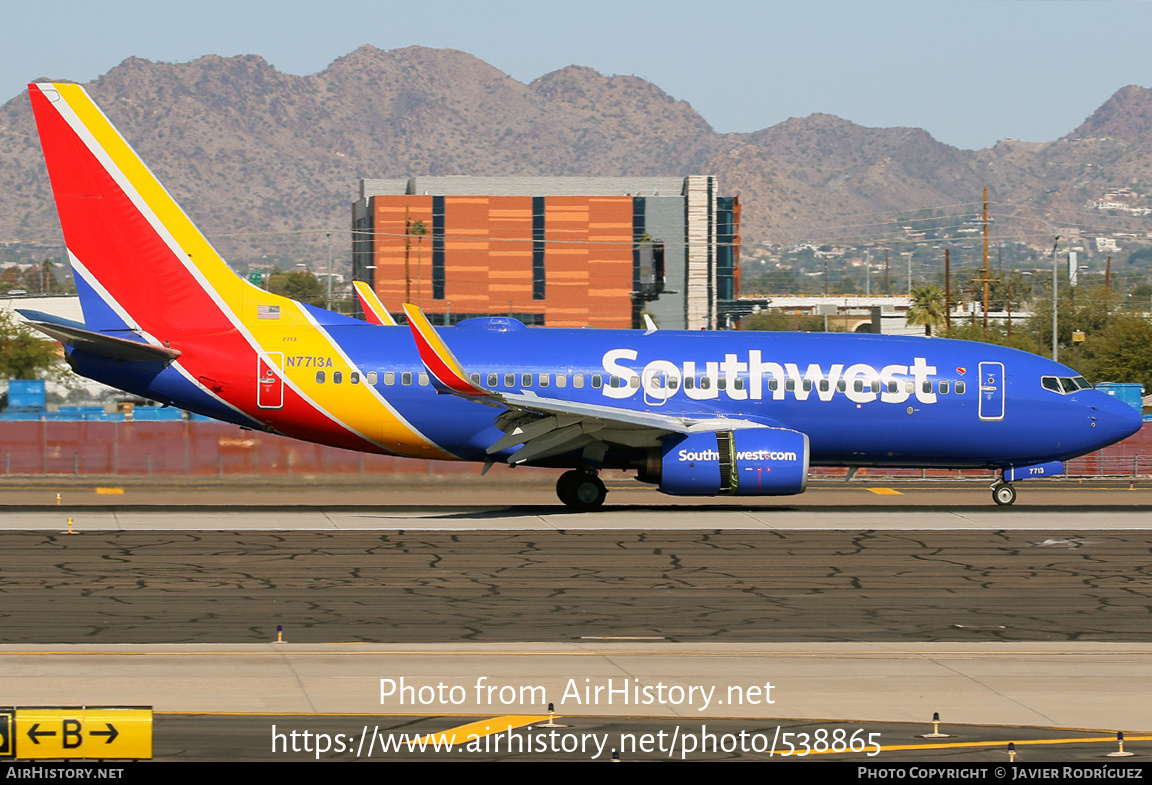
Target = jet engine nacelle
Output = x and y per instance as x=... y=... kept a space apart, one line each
x=745 y=462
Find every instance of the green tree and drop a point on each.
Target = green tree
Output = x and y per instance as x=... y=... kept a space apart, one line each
x=1122 y=352
x=24 y=356
x=927 y=307
x=299 y=285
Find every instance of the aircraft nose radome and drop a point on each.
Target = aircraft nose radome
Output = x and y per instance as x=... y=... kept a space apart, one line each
x=1117 y=419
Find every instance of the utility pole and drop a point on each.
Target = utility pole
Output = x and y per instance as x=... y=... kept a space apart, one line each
x=1108 y=276
x=1055 y=303
x=886 y=292
x=985 y=258
x=328 y=306
x=948 y=288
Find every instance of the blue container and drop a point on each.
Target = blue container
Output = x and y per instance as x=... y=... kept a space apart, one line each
x=26 y=393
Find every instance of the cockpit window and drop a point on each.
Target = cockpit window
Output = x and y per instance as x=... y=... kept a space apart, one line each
x=1064 y=384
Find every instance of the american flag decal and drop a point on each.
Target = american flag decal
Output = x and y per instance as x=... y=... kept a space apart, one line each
x=268 y=311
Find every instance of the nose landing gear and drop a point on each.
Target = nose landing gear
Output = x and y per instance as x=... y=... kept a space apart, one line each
x=1003 y=493
x=581 y=490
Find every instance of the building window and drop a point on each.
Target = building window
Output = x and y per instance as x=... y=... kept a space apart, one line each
x=437 y=247
x=538 y=289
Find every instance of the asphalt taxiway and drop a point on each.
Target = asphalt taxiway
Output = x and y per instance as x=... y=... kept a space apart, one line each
x=919 y=599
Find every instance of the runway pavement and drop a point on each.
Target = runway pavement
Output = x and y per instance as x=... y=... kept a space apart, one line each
x=886 y=610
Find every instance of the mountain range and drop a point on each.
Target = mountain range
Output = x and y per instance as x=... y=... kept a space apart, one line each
x=262 y=159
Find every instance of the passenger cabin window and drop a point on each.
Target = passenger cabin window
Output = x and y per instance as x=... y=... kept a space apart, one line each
x=561 y=380
x=721 y=383
x=493 y=379
x=337 y=377
x=596 y=381
x=841 y=385
x=959 y=388
x=372 y=378
x=475 y=378
x=690 y=383
x=705 y=383
x=807 y=385
x=406 y=378
x=824 y=385
x=943 y=388
x=578 y=381
x=319 y=377
x=389 y=378
x=738 y=383
x=525 y=380
x=509 y=380
x=354 y=377
x=544 y=380
x=423 y=379
x=789 y=384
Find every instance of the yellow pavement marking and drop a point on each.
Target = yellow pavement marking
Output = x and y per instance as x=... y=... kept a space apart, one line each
x=478 y=730
x=109 y=491
x=886 y=491
x=966 y=744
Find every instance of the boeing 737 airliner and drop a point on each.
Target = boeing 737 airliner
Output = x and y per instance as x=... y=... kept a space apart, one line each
x=701 y=413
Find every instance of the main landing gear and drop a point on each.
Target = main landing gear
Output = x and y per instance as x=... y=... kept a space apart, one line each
x=581 y=490
x=1003 y=493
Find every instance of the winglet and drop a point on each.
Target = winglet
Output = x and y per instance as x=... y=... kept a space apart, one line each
x=445 y=370
x=374 y=310
x=649 y=325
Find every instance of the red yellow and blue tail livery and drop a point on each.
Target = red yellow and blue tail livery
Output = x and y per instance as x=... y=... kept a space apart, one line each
x=695 y=413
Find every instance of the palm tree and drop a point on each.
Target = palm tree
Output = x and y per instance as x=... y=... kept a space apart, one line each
x=927 y=307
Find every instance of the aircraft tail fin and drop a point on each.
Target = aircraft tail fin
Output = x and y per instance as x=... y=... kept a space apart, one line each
x=140 y=263
x=374 y=310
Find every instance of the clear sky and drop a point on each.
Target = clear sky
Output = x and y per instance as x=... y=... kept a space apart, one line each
x=969 y=72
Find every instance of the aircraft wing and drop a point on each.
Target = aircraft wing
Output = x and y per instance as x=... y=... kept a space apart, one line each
x=544 y=427
x=374 y=310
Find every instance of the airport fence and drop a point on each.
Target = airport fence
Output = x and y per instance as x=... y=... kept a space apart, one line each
x=46 y=447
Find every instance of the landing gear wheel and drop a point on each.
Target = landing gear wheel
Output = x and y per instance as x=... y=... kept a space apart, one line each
x=1004 y=494
x=581 y=490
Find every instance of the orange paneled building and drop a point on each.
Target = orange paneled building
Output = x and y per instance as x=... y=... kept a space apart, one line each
x=459 y=247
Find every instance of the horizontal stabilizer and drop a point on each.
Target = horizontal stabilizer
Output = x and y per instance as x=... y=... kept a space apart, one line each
x=105 y=345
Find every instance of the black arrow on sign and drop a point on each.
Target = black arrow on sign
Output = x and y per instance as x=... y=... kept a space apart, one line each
x=111 y=733
x=33 y=733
